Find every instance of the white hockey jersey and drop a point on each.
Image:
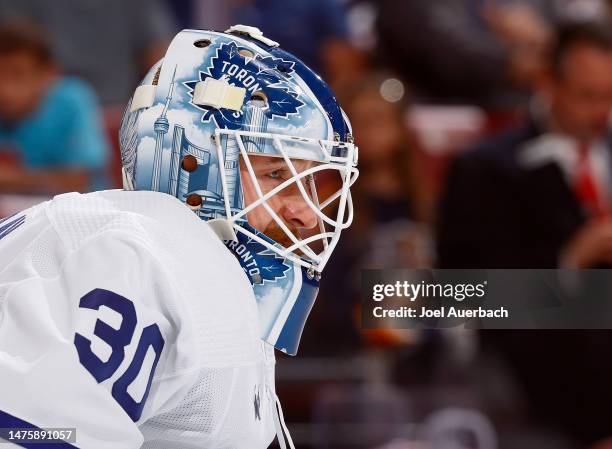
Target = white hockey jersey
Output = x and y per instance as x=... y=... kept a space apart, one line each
x=124 y=316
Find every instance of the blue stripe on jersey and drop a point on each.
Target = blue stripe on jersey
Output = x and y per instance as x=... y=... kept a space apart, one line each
x=11 y=422
x=2 y=220
x=7 y=228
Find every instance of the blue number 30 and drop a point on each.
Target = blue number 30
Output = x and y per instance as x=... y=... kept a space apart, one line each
x=118 y=339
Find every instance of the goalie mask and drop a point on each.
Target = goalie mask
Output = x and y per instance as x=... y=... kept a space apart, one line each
x=253 y=141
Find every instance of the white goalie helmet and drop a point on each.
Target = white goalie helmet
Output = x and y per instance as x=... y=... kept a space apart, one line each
x=253 y=141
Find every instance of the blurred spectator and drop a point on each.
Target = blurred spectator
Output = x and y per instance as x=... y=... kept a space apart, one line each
x=50 y=135
x=538 y=196
x=390 y=200
x=313 y=30
x=184 y=11
x=215 y=14
x=110 y=43
x=485 y=53
x=390 y=185
x=581 y=10
x=299 y=26
x=535 y=196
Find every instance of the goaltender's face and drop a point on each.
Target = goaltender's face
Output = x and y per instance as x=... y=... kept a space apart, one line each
x=288 y=204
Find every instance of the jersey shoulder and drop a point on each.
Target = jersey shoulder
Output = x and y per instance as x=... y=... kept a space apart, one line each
x=208 y=279
x=155 y=217
x=24 y=236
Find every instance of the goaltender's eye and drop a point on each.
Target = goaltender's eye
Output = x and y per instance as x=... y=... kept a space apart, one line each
x=276 y=174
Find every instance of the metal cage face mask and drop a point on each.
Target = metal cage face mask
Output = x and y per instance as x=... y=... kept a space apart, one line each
x=198 y=127
x=301 y=162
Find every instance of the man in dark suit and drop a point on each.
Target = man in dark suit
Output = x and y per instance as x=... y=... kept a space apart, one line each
x=537 y=196
x=540 y=196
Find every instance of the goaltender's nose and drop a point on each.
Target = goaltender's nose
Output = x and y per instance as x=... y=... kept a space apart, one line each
x=297 y=213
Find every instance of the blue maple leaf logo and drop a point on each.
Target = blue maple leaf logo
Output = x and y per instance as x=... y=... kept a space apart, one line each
x=260 y=263
x=257 y=73
x=271 y=265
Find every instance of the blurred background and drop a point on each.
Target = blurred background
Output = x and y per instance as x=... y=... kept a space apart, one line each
x=484 y=136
